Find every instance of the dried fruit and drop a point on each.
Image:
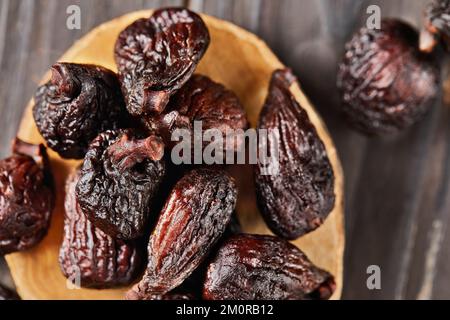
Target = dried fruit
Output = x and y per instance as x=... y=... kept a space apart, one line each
x=120 y=178
x=201 y=99
x=7 y=294
x=157 y=55
x=26 y=197
x=257 y=267
x=88 y=256
x=79 y=102
x=196 y=214
x=437 y=25
x=234 y=227
x=296 y=198
x=386 y=83
x=172 y=296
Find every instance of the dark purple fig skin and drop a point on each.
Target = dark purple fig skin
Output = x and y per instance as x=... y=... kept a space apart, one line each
x=386 y=83
x=298 y=198
x=257 y=267
x=200 y=99
x=157 y=55
x=79 y=102
x=89 y=255
x=194 y=218
x=119 y=182
x=26 y=197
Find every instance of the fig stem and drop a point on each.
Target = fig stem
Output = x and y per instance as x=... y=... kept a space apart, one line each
x=34 y=151
x=64 y=80
x=325 y=290
x=284 y=76
x=126 y=152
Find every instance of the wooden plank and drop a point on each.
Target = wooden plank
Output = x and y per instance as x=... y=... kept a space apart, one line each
x=429 y=265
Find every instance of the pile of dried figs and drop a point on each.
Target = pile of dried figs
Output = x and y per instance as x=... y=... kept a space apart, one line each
x=389 y=77
x=131 y=214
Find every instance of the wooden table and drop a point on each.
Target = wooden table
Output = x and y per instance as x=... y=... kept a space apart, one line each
x=397 y=188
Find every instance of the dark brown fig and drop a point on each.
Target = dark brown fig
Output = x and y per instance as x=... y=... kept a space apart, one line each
x=79 y=102
x=26 y=197
x=90 y=258
x=386 y=83
x=119 y=182
x=157 y=55
x=257 y=267
x=234 y=227
x=206 y=102
x=194 y=218
x=436 y=25
x=296 y=197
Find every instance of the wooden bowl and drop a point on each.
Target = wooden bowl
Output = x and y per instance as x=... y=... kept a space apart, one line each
x=243 y=63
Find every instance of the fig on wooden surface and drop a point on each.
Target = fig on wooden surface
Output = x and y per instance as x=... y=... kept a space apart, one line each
x=119 y=182
x=297 y=197
x=79 y=102
x=26 y=197
x=194 y=218
x=157 y=55
x=89 y=257
x=257 y=267
x=205 y=101
x=386 y=83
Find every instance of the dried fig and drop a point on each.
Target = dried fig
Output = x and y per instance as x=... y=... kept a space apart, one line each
x=257 y=267
x=120 y=178
x=203 y=100
x=157 y=55
x=192 y=221
x=88 y=256
x=386 y=83
x=26 y=197
x=296 y=199
x=79 y=102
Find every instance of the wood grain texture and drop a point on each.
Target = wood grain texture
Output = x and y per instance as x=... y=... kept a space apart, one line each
x=397 y=189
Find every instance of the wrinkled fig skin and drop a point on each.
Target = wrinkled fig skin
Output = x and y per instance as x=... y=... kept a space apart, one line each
x=119 y=181
x=79 y=102
x=296 y=199
x=157 y=55
x=386 y=83
x=195 y=216
x=437 y=21
x=200 y=99
x=7 y=294
x=257 y=267
x=26 y=197
x=173 y=296
x=234 y=227
x=89 y=255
